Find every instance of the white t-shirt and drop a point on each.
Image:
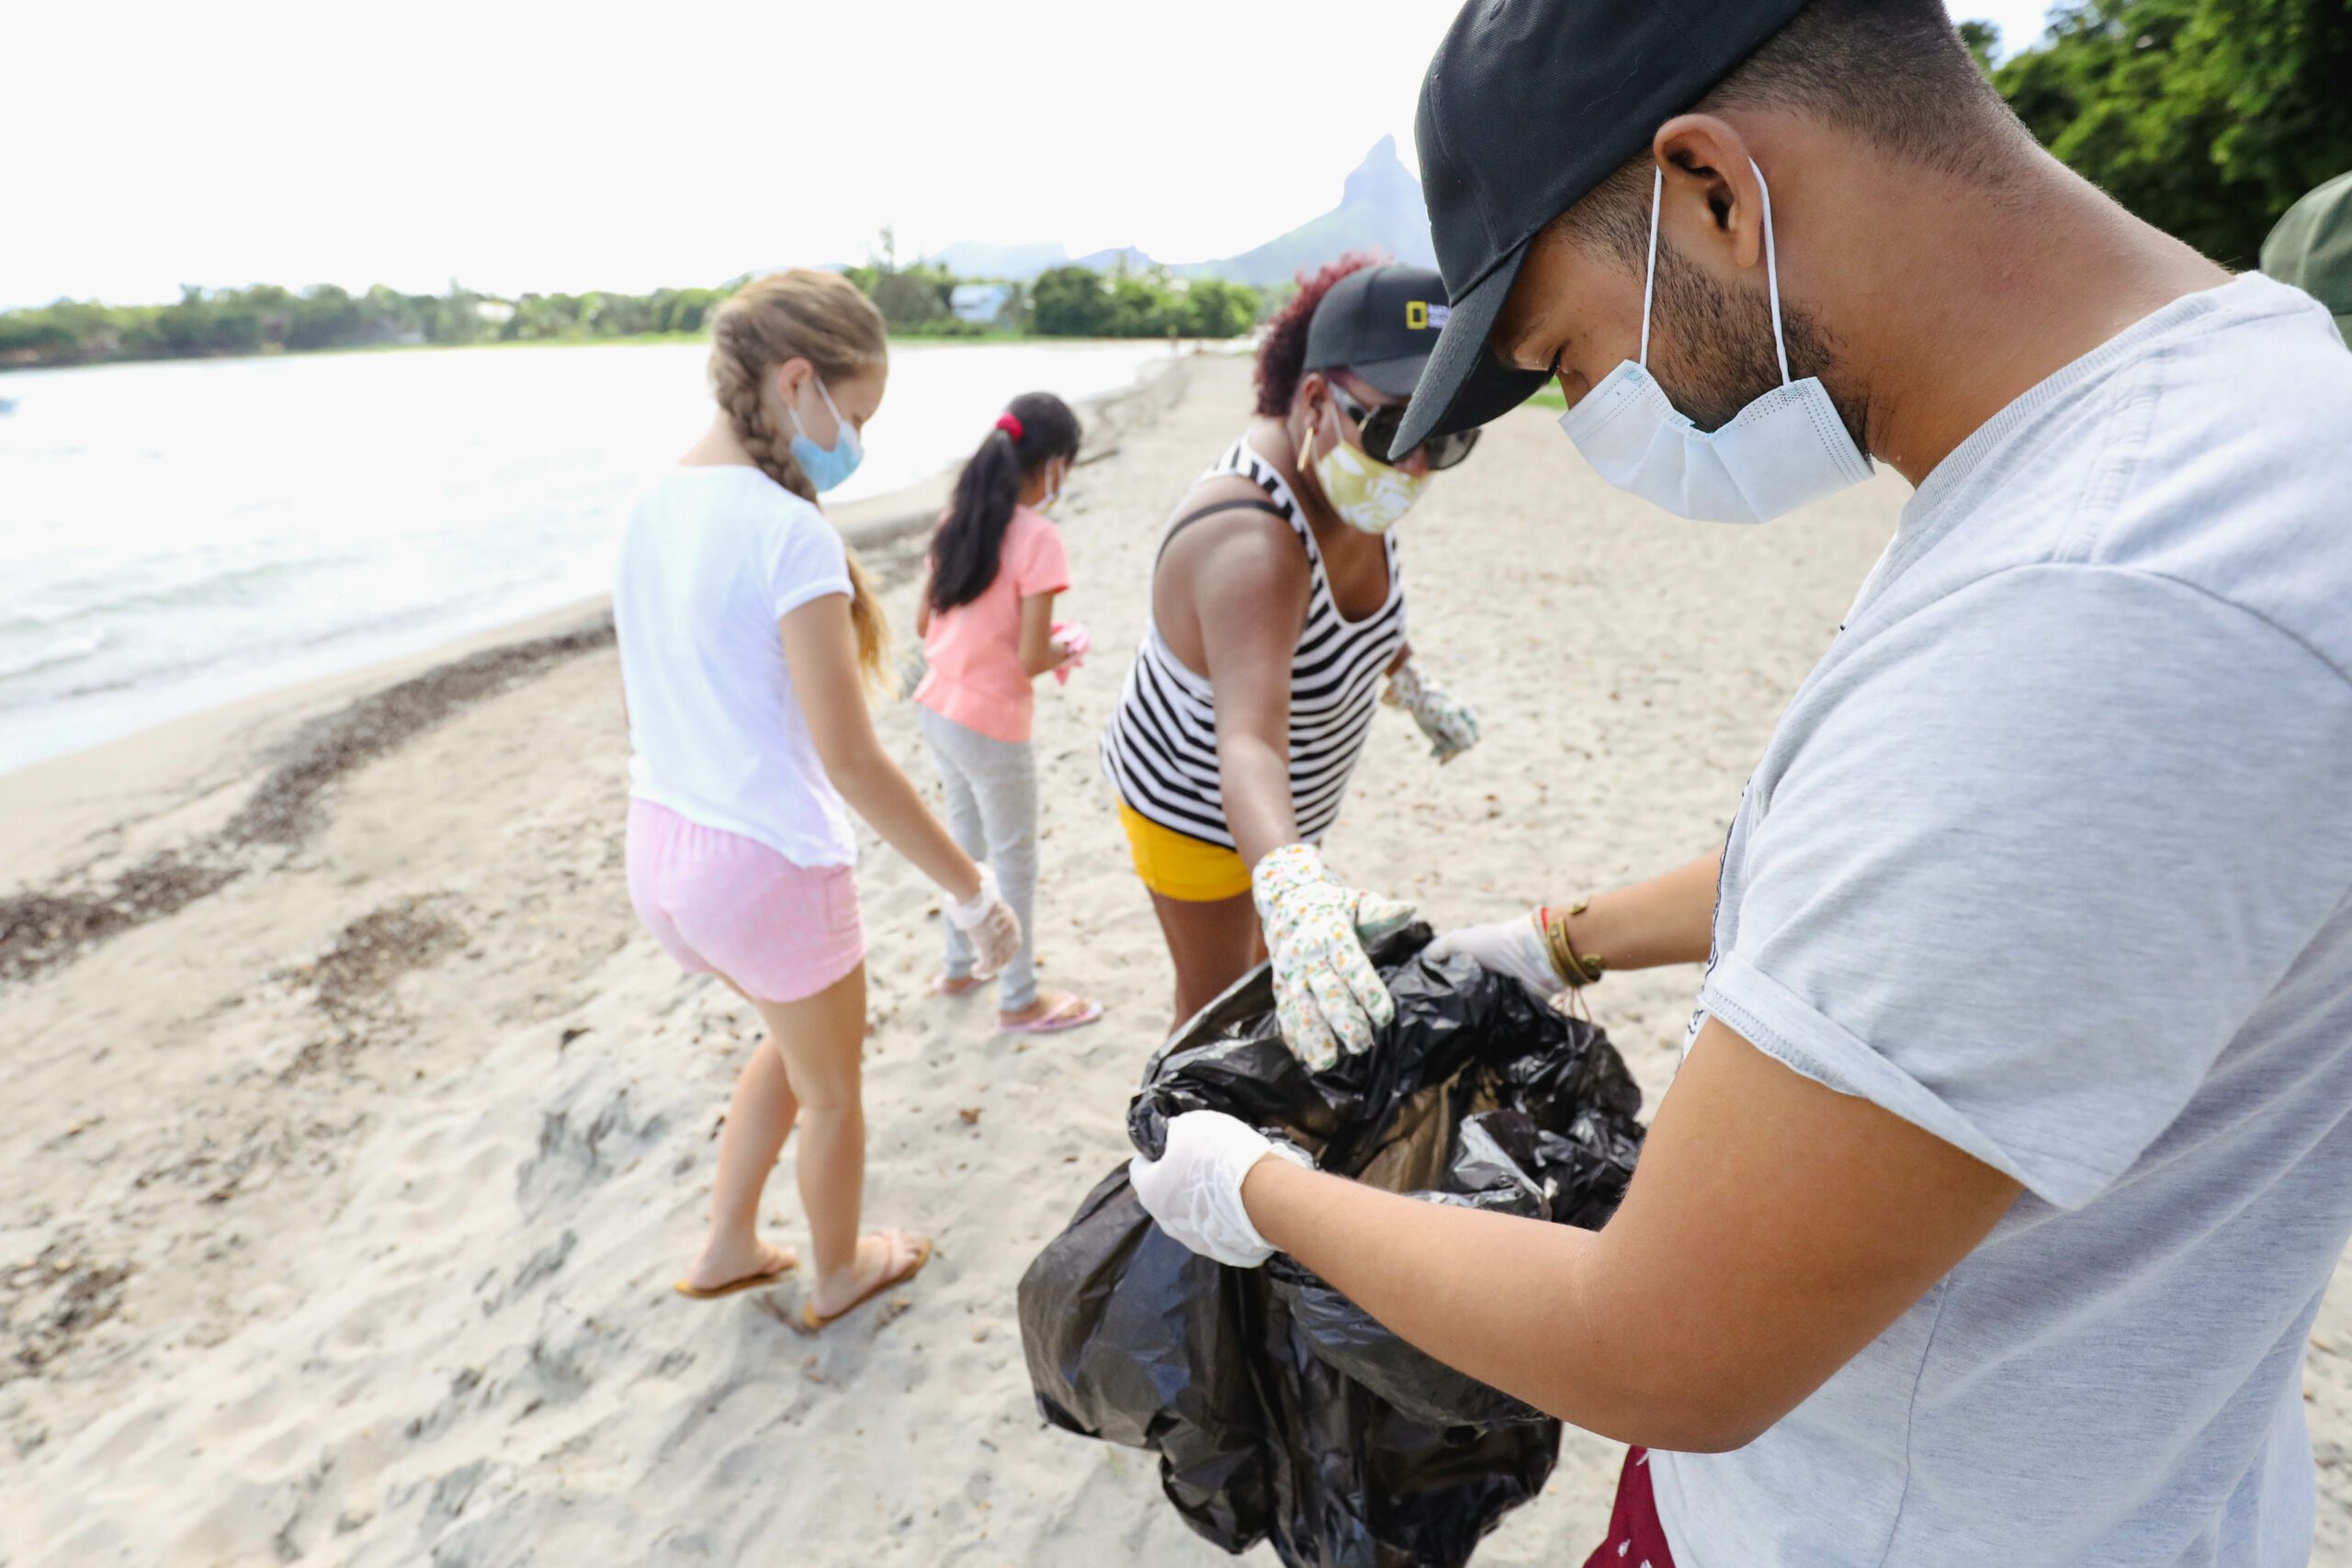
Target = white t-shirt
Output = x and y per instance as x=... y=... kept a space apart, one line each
x=712 y=558
x=2052 y=856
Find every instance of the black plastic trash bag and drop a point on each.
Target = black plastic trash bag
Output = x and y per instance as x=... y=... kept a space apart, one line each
x=1278 y=1408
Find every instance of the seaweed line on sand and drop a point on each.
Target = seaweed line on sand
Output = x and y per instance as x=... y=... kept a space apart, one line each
x=351 y=979
x=44 y=927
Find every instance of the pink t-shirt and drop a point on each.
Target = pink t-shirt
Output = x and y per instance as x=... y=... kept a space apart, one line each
x=974 y=649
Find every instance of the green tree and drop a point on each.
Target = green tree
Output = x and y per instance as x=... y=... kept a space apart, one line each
x=1069 y=301
x=1139 y=306
x=324 y=316
x=909 y=299
x=2206 y=118
x=1214 y=308
x=37 y=337
x=1984 y=41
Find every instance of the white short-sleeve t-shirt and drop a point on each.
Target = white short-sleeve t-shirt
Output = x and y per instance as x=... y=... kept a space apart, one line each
x=712 y=559
x=2052 y=856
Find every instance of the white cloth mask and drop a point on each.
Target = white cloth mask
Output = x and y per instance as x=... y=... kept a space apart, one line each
x=1786 y=448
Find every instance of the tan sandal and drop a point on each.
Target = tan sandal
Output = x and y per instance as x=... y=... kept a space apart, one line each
x=759 y=1281
x=809 y=1321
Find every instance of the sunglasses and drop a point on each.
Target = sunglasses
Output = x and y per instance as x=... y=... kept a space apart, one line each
x=1378 y=428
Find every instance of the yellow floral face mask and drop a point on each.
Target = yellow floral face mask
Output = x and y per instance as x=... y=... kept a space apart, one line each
x=1367 y=494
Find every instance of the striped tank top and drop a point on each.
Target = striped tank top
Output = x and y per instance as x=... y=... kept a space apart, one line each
x=1160 y=748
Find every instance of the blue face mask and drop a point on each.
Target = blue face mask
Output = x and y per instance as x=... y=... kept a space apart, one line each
x=826 y=466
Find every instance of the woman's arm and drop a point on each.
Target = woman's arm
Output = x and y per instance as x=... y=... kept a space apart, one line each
x=922 y=602
x=1668 y=919
x=1249 y=590
x=1038 y=654
x=821 y=652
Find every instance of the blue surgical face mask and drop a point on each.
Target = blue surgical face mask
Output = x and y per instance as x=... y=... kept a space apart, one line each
x=826 y=466
x=1786 y=448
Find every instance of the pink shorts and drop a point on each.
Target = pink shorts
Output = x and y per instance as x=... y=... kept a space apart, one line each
x=723 y=904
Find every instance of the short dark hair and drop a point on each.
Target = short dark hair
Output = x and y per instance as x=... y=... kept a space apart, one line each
x=1281 y=354
x=1892 y=70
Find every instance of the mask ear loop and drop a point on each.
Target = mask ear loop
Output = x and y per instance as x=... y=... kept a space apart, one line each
x=1772 y=272
x=1649 y=279
x=842 y=431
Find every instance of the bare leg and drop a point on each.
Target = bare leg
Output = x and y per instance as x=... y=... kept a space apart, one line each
x=1212 y=944
x=822 y=1043
x=759 y=1119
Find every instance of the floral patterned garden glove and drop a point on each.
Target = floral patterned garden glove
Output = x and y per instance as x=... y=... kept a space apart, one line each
x=1446 y=719
x=1328 y=997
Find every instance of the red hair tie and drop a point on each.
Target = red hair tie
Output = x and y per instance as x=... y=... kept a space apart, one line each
x=1010 y=423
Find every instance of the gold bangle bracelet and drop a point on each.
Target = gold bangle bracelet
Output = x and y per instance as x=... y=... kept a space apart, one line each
x=1574 y=969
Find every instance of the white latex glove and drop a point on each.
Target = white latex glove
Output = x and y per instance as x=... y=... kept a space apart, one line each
x=1193 y=1189
x=990 y=923
x=1327 y=996
x=1450 y=724
x=1508 y=947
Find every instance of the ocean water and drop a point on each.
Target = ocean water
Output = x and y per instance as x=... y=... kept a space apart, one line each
x=177 y=535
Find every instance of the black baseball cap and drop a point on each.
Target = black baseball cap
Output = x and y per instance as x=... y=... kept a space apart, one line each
x=1528 y=104
x=1381 y=323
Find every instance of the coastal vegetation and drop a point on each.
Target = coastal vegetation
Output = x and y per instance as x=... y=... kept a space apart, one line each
x=2206 y=118
x=922 y=300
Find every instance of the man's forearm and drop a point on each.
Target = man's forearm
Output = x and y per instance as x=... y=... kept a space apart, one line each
x=1668 y=919
x=1497 y=1297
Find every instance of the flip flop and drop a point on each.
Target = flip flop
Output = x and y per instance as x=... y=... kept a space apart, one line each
x=809 y=1321
x=942 y=986
x=1077 y=1014
x=748 y=1282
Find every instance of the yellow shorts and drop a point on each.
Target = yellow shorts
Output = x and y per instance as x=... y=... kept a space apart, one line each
x=1178 y=867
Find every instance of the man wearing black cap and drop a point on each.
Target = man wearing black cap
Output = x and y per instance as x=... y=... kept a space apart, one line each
x=2012 y=1151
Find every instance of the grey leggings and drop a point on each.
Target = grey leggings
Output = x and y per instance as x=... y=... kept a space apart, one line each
x=992 y=812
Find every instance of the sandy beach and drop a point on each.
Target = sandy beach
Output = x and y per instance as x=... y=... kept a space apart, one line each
x=357 y=1131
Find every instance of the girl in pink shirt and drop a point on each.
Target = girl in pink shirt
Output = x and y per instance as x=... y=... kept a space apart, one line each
x=987 y=620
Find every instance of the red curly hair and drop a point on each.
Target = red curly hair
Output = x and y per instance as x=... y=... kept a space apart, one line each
x=1281 y=356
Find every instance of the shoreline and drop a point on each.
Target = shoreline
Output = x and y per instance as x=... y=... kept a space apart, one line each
x=990 y=338
x=870 y=523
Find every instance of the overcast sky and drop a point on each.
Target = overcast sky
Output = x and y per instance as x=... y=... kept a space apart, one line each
x=589 y=146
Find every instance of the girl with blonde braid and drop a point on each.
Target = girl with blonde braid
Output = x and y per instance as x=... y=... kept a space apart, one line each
x=748 y=639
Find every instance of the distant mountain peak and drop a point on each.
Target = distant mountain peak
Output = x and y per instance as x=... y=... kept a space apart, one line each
x=1380 y=208
x=1381 y=179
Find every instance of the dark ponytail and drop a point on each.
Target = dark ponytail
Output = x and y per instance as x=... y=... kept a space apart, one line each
x=970 y=543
